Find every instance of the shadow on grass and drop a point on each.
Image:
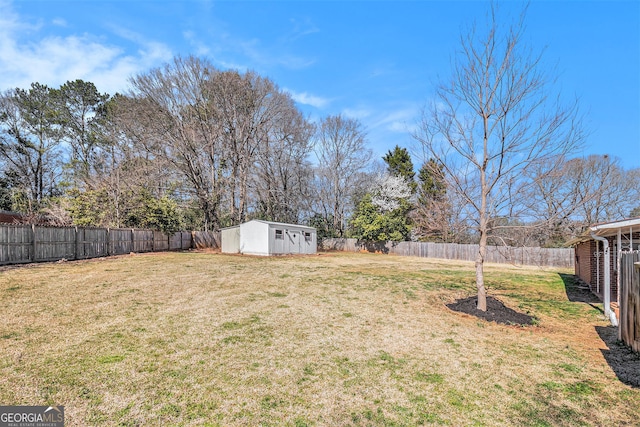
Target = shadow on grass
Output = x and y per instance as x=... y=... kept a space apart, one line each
x=577 y=293
x=622 y=360
x=374 y=247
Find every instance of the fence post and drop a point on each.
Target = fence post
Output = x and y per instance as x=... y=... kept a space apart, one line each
x=75 y=253
x=33 y=234
x=108 y=240
x=132 y=241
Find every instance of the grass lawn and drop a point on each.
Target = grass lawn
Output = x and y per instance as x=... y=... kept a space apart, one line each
x=329 y=340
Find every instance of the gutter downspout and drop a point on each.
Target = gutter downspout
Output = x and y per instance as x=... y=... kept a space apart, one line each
x=597 y=267
x=607 y=280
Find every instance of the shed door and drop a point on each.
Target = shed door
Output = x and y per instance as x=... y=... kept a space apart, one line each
x=294 y=241
x=279 y=244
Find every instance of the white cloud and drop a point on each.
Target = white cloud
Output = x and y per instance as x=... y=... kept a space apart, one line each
x=308 y=99
x=357 y=113
x=55 y=59
x=60 y=22
x=398 y=127
x=199 y=47
x=260 y=55
x=400 y=121
x=300 y=28
x=230 y=51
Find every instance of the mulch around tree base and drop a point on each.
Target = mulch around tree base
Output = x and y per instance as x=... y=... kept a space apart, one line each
x=496 y=311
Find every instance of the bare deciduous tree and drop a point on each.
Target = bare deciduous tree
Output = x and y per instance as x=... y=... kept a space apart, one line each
x=283 y=173
x=491 y=123
x=342 y=157
x=219 y=129
x=578 y=193
x=433 y=215
x=170 y=114
x=256 y=120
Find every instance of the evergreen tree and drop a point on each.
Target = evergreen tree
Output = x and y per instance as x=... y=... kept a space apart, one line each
x=432 y=185
x=399 y=164
x=79 y=109
x=30 y=144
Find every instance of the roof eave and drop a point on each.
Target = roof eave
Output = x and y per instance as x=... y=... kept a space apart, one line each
x=611 y=228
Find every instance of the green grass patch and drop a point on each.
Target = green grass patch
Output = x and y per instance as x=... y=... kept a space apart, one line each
x=277 y=294
x=114 y=358
x=431 y=378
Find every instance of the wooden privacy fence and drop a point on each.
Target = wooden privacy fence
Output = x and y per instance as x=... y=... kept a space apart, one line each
x=629 y=298
x=206 y=239
x=35 y=243
x=544 y=257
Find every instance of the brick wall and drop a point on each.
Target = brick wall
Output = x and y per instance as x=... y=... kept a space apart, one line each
x=587 y=269
x=598 y=273
x=584 y=251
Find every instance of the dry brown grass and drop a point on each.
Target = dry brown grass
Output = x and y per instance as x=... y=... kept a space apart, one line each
x=335 y=339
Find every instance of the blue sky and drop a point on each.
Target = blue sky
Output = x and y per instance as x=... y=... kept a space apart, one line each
x=376 y=61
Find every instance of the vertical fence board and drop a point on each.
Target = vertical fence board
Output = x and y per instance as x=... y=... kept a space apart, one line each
x=629 y=296
x=120 y=242
x=160 y=241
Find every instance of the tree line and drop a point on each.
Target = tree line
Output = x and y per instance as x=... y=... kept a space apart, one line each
x=190 y=146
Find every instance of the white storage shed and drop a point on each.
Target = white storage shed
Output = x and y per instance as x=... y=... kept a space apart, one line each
x=259 y=237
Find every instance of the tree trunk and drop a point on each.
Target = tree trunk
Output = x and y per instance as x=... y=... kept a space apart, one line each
x=482 y=291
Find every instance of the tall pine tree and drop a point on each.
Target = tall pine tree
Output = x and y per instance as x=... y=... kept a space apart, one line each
x=399 y=164
x=432 y=186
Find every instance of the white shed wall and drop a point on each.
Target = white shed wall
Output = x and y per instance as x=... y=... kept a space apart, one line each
x=254 y=238
x=230 y=240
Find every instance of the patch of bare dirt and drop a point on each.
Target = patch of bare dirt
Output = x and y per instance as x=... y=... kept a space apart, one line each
x=496 y=311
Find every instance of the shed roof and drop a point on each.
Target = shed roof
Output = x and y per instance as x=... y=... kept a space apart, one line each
x=282 y=224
